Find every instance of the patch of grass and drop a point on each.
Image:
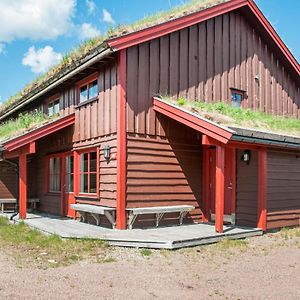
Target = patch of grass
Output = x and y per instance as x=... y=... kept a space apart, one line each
x=290 y=232
x=227 y=244
x=106 y=260
x=146 y=252
x=22 y=123
x=228 y=115
x=29 y=245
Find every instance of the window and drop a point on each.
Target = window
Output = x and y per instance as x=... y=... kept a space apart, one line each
x=88 y=172
x=69 y=174
x=53 y=108
x=54 y=174
x=237 y=98
x=88 y=91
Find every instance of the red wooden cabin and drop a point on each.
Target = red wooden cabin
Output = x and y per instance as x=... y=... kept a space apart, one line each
x=116 y=144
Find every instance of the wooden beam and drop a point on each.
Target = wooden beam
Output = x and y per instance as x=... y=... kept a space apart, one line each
x=220 y=184
x=262 y=189
x=76 y=177
x=27 y=149
x=23 y=185
x=121 y=143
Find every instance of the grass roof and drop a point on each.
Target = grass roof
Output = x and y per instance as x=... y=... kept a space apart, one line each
x=24 y=122
x=226 y=115
x=76 y=56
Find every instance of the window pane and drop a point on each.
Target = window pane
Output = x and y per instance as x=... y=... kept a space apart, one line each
x=93 y=183
x=50 y=110
x=83 y=94
x=236 y=99
x=84 y=162
x=69 y=183
x=54 y=174
x=69 y=164
x=93 y=162
x=93 y=89
x=56 y=107
x=84 y=183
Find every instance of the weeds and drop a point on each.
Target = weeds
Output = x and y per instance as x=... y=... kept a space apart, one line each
x=22 y=123
x=27 y=244
x=146 y=252
x=240 y=117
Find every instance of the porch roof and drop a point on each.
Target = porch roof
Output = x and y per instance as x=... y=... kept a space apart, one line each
x=224 y=134
x=32 y=135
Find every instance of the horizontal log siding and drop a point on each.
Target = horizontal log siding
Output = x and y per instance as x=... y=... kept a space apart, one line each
x=283 y=204
x=108 y=173
x=203 y=62
x=164 y=172
x=8 y=181
x=246 y=191
x=99 y=118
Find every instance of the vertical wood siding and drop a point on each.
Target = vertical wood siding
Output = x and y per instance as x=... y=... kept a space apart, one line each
x=283 y=201
x=164 y=171
x=99 y=118
x=203 y=62
x=8 y=181
x=246 y=191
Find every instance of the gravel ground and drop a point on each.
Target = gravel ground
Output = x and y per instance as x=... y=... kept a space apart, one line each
x=268 y=267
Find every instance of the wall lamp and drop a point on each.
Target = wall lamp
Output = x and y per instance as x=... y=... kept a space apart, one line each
x=246 y=156
x=107 y=152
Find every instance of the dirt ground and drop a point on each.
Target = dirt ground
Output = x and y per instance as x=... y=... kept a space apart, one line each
x=266 y=267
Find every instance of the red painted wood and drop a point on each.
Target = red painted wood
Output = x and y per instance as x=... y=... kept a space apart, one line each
x=262 y=189
x=39 y=133
x=23 y=185
x=205 y=127
x=220 y=164
x=153 y=32
x=121 y=143
x=63 y=199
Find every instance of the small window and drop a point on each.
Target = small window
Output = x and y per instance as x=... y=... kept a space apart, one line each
x=70 y=174
x=237 y=98
x=88 y=172
x=54 y=174
x=88 y=91
x=53 y=108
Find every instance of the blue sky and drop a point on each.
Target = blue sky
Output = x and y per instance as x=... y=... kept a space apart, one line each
x=43 y=30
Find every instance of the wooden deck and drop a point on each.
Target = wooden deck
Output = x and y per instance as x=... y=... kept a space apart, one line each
x=174 y=237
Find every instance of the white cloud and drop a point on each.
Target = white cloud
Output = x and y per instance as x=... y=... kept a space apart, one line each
x=107 y=17
x=91 y=6
x=2 y=48
x=35 y=19
x=40 y=60
x=87 y=31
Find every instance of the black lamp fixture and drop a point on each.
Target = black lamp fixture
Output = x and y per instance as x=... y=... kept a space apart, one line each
x=107 y=152
x=246 y=157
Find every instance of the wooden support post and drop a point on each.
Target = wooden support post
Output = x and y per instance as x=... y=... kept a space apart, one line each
x=205 y=186
x=63 y=210
x=121 y=142
x=23 y=185
x=220 y=183
x=262 y=189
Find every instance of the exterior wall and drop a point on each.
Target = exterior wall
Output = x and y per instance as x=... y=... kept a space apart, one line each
x=98 y=118
x=8 y=181
x=283 y=200
x=165 y=171
x=203 y=62
x=246 y=190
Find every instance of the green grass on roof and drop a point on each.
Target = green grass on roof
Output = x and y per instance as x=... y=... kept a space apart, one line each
x=23 y=123
x=70 y=59
x=227 y=115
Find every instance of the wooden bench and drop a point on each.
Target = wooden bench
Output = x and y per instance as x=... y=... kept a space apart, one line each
x=95 y=211
x=159 y=212
x=31 y=201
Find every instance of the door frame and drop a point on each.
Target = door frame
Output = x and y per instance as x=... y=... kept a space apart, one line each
x=209 y=188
